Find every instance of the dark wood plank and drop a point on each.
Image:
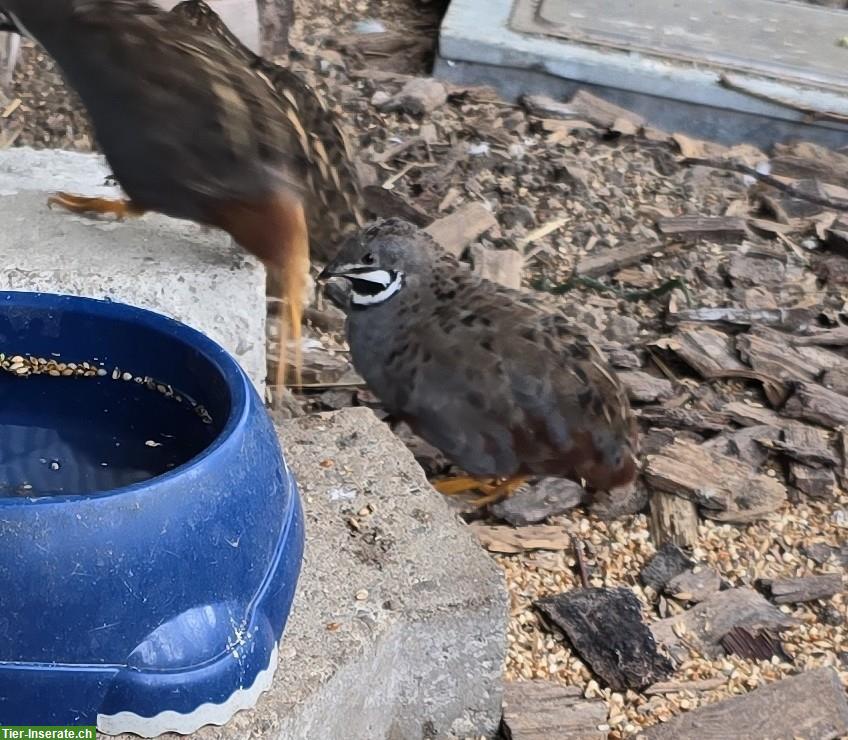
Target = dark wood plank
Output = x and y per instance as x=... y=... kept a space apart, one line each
x=606 y=629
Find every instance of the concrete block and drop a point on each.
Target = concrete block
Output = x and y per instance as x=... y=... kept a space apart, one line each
x=195 y=275
x=631 y=55
x=399 y=625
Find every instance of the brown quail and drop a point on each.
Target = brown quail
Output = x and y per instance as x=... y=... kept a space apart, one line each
x=194 y=127
x=506 y=387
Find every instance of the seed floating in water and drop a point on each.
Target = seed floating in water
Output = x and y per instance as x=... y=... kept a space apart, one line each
x=94 y=441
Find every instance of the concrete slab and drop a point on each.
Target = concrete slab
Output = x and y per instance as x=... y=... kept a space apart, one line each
x=399 y=625
x=664 y=62
x=174 y=267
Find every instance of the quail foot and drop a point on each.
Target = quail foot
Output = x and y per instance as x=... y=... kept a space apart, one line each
x=505 y=386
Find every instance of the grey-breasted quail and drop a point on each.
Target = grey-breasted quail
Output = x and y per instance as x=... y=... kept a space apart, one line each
x=505 y=386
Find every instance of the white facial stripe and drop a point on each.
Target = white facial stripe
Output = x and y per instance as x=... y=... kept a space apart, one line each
x=362 y=299
x=380 y=277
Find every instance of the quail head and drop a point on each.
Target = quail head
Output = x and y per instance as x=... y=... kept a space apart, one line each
x=506 y=387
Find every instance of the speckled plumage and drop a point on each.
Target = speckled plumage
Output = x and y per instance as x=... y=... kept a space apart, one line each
x=334 y=198
x=502 y=384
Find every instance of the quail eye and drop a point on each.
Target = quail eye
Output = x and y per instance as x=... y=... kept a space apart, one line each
x=368 y=259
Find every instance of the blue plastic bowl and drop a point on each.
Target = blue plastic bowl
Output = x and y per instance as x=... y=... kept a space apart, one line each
x=151 y=534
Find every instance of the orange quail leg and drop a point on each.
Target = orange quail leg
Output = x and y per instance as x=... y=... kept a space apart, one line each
x=502 y=490
x=464 y=484
x=121 y=209
x=275 y=231
x=493 y=489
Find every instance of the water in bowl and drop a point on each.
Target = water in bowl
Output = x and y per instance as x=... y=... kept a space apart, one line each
x=63 y=436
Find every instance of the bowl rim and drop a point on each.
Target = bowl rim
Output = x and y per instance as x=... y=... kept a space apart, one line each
x=234 y=377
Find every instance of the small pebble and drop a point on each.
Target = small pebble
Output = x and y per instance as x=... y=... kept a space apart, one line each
x=361 y=595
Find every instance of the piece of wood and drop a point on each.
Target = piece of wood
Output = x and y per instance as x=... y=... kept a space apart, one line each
x=534 y=504
x=668 y=562
x=725 y=488
x=775 y=353
x=707 y=350
x=695 y=585
x=508 y=540
x=803 y=588
x=794 y=319
x=502 y=266
x=601 y=112
x=643 y=387
x=544 y=106
x=675 y=687
x=753 y=644
x=807 y=445
x=615 y=258
x=824 y=554
x=703 y=626
x=750 y=444
x=803 y=160
x=606 y=629
x=747 y=415
x=695 y=227
x=811 y=705
x=775 y=182
x=680 y=418
x=815 y=403
x=818 y=483
x=541 y=710
x=466 y=224
x=674 y=519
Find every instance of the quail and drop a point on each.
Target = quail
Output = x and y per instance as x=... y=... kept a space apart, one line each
x=505 y=386
x=193 y=127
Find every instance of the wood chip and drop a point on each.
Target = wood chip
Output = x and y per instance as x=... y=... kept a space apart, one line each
x=811 y=705
x=813 y=402
x=644 y=387
x=616 y=258
x=786 y=318
x=698 y=584
x=601 y=112
x=669 y=561
x=775 y=354
x=674 y=520
x=540 y=710
x=725 y=488
x=675 y=687
x=534 y=504
x=605 y=627
x=695 y=227
x=508 y=540
x=466 y=224
x=502 y=266
x=680 y=418
x=703 y=626
x=705 y=349
x=804 y=588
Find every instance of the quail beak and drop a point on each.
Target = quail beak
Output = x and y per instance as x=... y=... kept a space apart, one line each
x=333 y=270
